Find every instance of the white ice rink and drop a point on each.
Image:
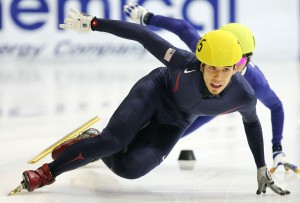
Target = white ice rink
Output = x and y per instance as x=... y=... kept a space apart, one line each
x=40 y=107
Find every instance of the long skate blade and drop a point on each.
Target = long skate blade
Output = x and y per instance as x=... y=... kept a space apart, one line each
x=69 y=136
x=18 y=189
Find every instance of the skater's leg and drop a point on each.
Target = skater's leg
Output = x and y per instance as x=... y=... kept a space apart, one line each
x=148 y=150
x=115 y=137
x=133 y=113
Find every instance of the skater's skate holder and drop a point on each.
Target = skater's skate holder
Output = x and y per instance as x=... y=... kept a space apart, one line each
x=69 y=136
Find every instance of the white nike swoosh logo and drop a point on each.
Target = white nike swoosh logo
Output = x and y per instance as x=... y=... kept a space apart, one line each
x=188 y=71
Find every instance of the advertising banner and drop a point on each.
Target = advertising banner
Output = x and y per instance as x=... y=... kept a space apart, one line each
x=47 y=70
x=29 y=28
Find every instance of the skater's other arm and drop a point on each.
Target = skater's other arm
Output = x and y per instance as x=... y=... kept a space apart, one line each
x=269 y=98
x=183 y=29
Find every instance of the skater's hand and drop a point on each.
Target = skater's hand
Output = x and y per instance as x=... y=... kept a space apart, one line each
x=77 y=21
x=264 y=180
x=135 y=12
x=279 y=159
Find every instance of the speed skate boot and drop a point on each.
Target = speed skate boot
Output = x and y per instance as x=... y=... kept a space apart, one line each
x=92 y=132
x=38 y=178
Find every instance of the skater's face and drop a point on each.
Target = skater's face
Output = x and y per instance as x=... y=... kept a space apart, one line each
x=217 y=78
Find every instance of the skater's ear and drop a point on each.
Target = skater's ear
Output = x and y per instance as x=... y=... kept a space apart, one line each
x=202 y=67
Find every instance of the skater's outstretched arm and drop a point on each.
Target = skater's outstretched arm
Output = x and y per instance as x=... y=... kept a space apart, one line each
x=156 y=45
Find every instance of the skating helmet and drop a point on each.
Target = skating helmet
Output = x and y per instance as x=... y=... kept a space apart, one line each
x=218 y=48
x=243 y=34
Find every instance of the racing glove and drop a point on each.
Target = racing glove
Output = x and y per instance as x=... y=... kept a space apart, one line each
x=77 y=21
x=264 y=180
x=136 y=13
x=279 y=159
